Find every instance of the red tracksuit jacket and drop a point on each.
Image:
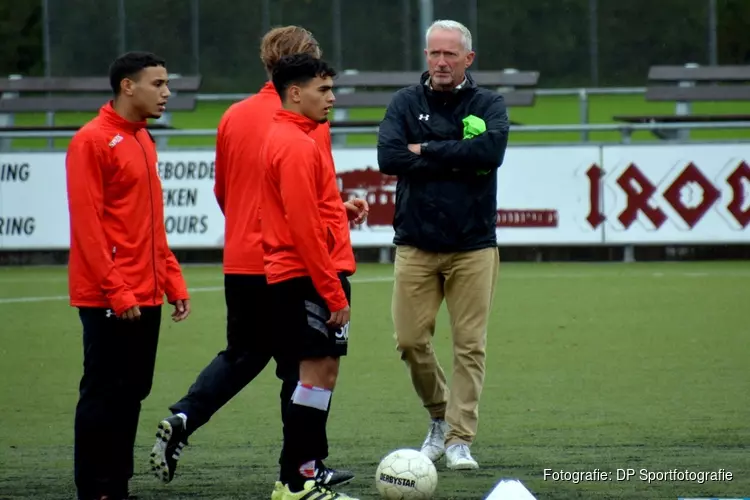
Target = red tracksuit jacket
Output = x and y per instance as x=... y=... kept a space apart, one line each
x=238 y=177
x=303 y=218
x=119 y=257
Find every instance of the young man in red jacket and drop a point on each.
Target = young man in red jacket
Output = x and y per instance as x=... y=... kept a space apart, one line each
x=250 y=335
x=303 y=222
x=120 y=268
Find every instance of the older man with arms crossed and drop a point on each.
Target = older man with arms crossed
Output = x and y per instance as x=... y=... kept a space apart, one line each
x=445 y=138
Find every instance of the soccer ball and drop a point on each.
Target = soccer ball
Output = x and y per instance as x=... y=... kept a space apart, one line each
x=406 y=475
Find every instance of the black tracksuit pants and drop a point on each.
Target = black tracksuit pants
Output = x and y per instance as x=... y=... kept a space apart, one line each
x=118 y=369
x=251 y=344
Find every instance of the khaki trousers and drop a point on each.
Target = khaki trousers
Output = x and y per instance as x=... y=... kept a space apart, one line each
x=467 y=282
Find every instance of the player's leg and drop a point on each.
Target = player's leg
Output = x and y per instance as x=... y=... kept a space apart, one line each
x=319 y=349
x=469 y=289
x=417 y=294
x=96 y=411
x=305 y=437
x=247 y=353
x=140 y=354
x=288 y=371
x=328 y=476
x=110 y=394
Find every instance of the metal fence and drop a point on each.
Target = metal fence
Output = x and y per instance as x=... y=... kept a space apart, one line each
x=571 y=42
x=626 y=131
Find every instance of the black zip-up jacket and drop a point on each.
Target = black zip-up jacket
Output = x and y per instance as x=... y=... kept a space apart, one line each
x=446 y=197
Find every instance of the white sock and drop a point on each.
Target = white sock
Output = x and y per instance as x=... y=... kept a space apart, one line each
x=313 y=397
x=308 y=469
x=184 y=419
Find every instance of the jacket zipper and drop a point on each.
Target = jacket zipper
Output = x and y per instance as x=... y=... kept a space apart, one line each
x=153 y=231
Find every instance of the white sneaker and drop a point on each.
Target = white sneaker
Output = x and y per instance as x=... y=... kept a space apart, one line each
x=434 y=443
x=459 y=458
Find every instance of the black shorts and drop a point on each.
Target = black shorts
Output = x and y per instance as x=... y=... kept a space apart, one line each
x=301 y=315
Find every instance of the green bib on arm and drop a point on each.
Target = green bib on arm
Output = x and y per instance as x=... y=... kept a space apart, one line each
x=473 y=126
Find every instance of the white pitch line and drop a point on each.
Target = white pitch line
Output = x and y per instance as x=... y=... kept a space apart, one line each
x=503 y=276
x=20 y=300
x=64 y=279
x=199 y=289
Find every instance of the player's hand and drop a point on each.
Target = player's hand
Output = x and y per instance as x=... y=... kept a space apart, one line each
x=357 y=209
x=132 y=314
x=181 y=310
x=339 y=318
x=415 y=148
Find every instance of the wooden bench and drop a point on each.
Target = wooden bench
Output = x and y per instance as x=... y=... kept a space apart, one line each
x=84 y=84
x=376 y=89
x=78 y=94
x=692 y=83
x=78 y=104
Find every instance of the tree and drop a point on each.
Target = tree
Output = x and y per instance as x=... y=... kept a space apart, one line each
x=21 y=33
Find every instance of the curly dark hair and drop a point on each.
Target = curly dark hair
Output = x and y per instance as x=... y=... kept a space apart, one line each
x=299 y=69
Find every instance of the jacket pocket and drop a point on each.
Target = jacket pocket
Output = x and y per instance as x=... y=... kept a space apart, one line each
x=330 y=239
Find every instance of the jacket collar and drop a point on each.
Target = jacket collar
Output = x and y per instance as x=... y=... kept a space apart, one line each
x=268 y=88
x=304 y=123
x=108 y=113
x=468 y=83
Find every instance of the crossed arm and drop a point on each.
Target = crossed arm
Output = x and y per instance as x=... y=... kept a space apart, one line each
x=484 y=152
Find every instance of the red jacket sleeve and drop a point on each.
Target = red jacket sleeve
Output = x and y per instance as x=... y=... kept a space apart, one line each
x=220 y=169
x=84 y=163
x=298 y=169
x=175 y=286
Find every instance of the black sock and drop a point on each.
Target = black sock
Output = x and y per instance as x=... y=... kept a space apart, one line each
x=305 y=438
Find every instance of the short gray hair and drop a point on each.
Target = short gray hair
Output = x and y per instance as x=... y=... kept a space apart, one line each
x=451 y=26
